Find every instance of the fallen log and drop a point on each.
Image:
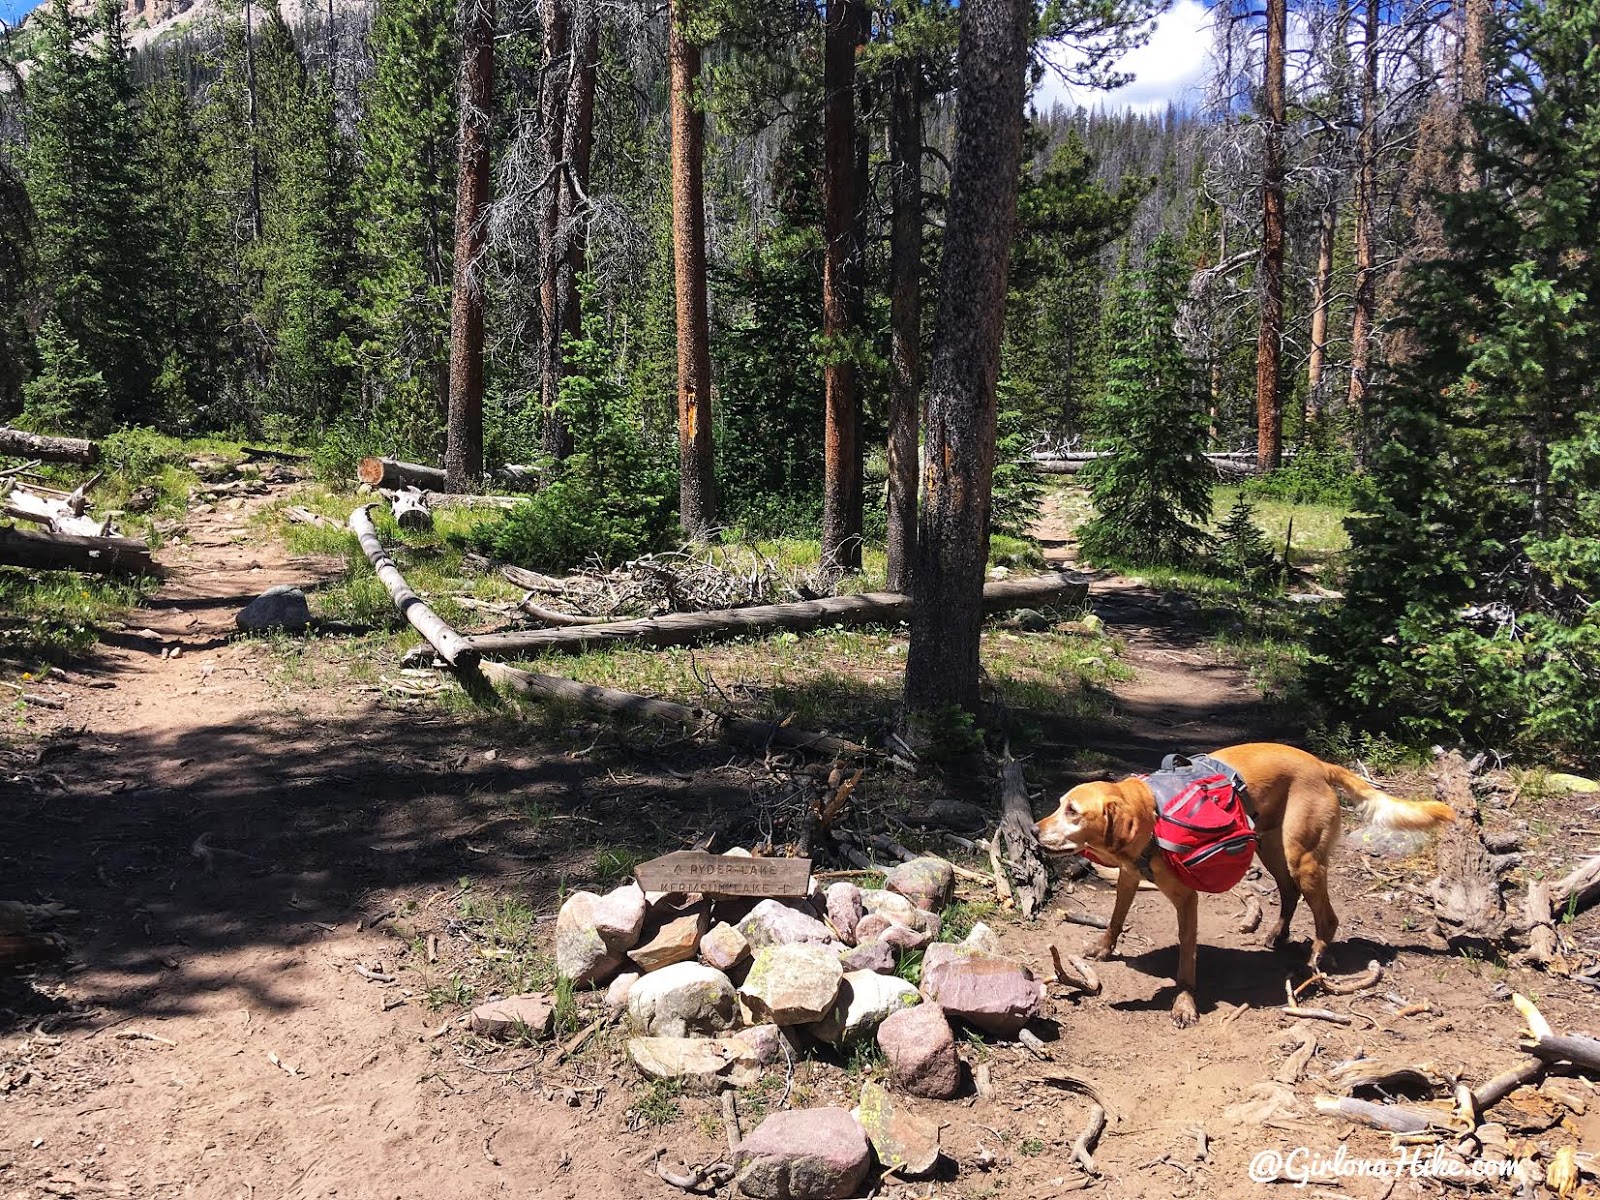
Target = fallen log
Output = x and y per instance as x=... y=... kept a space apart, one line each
x=56 y=515
x=391 y=472
x=559 y=619
x=410 y=509
x=1577 y=889
x=1538 y=917
x=281 y=455
x=614 y=703
x=1028 y=878
x=449 y=644
x=1467 y=901
x=759 y=620
x=518 y=476
x=468 y=500
x=78 y=500
x=1227 y=466
x=53 y=449
x=75 y=552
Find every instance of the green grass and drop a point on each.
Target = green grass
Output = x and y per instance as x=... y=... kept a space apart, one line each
x=960 y=916
x=656 y=1102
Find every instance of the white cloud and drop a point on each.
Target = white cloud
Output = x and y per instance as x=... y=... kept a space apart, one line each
x=1170 y=67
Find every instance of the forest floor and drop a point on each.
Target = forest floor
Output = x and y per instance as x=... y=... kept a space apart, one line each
x=251 y=837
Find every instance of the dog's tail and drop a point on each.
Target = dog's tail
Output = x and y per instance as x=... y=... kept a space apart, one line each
x=1385 y=811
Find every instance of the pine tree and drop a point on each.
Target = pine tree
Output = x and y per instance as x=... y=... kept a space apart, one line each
x=1243 y=552
x=407 y=195
x=66 y=392
x=1153 y=487
x=81 y=166
x=1471 y=600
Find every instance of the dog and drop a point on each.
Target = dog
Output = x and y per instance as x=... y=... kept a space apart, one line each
x=1293 y=797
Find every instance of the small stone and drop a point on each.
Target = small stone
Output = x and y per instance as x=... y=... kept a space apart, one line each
x=619 y=917
x=581 y=953
x=996 y=994
x=921 y=1052
x=981 y=937
x=724 y=947
x=904 y=1142
x=1091 y=623
x=843 y=900
x=895 y=907
x=792 y=985
x=804 y=1154
x=702 y=1064
x=515 y=1016
x=875 y=955
x=281 y=607
x=1030 y=620
x=865 y=1000
x=670 y=939
x=878 y=928
x=773 y=924
x=927 y=882
x=680 y=1000
x=946 y=812
x=617 y=993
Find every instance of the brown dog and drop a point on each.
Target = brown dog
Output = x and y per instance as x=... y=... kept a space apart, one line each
x=1291 y=795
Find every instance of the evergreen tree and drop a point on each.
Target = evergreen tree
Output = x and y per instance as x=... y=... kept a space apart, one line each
x=1471 y=610
x=66 y=392
x=407 y=197
x=1243 y=551
x=81 y=163
x=1153 y=487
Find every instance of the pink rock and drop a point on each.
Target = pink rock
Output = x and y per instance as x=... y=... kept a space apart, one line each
x=875 y=955
x=672 y=936
x=617 y=993
x=996 y=994
x=619 y=917
x=724 y=947
x=927 y=882
x=921 y=1052
x=804 y=1154
x=514 y=1016
x=844 y=909
x=581 y=953
x=771 y=923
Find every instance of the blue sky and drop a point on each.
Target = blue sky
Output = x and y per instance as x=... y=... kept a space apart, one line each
x=1171 y=66
x=11 y=10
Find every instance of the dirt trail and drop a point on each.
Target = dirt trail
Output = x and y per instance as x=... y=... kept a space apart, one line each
x=228 y=842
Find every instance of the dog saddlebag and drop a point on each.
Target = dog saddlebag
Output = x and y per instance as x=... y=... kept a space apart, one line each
x=1202 y=827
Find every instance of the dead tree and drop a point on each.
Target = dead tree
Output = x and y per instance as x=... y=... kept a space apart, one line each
x=1269 y=343
x=1363 y=310
x=905 y=314
x=75 y=552
x=1467 y=900
x=19 y=444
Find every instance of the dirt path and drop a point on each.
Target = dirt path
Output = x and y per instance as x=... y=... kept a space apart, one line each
x=235 y=845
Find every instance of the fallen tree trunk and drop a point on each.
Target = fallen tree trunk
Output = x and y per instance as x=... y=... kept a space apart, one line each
x=467 y=500
x=449 y=644
x=1537 y=916
x=519 y=476
x=611 y=702
x=56 y=515
x=410 y=509
x=75 y=552
x=1577 y=889
x=683 y=629
x=392 y=473
x=1029 y=881
x=1226 y=466
x=53 y=449
x=1467 y=901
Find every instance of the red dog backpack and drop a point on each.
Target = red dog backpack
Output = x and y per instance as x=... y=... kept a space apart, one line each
x=1202 y=828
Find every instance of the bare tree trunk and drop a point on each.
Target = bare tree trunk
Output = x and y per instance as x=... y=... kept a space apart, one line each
x=697 y=502
x=953 y=532
x=250 y=119
x=841 y=539
x=1269 y=345
x=1474 y=85
x=905 y=315
x=1366 y=293
x=1321 y=301
x=463 y=455
x=556 y=16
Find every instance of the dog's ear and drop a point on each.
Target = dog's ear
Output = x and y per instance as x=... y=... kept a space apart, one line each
x=1122 y=825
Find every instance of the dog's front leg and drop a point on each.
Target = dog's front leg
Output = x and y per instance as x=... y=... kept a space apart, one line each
x=1184 y=1013
x=1127 y=889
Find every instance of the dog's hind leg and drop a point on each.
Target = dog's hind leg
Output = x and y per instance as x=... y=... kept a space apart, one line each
x=1270 y=851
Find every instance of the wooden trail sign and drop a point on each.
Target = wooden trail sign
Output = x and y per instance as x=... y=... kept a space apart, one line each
x=725 y=875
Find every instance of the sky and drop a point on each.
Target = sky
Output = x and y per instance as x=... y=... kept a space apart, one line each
x=11 y=10
x=1171 y=66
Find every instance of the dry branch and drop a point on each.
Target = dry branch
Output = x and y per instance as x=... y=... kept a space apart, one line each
x=75 y=552
x=56 y=515
x=1023 y=855
x=1536 y=914
x=53 y=449
x=449 y=644
x=1578 y=888
x=1081 y=975
x=1467 y=901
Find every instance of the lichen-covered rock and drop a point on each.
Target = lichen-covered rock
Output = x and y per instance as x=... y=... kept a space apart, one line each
x=874 y=927
x=706 y=1064
x=996 y=994
x=920 y=1049
x=773 y=924
x=894 y=907
x=874 y=955
x=904 y=1142
x=865 y=999
x=581 y=953
x=804 y=1154
x=981 y=937
x=844 y=909
x=792 y=985
x=681 y=1000
x=927 y=882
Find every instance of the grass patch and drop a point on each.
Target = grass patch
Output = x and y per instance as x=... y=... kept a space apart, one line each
x=656 y=1103
x=55 y=616
x=960 y=916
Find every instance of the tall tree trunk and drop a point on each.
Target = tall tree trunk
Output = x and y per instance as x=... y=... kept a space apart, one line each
x=554 y=87
x=1474 y=83
x=250 y=119
x=1321 y=302
x=1365 y=302
x=953 y=532
x=1269 y=345
x=697 y=502
x=463 y=455
x=841 y=486
x=578 y=148
x=905 y=315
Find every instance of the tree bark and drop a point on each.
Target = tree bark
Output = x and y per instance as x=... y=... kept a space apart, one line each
x=905 y=316
x=759 y=620
x=410 y=509
x=449 y=644
x=1474 y=84
x=1029 y=882
x=1321 y=302
x=556 y=18
x=841 y=485
x=697 y=504
x=1365 y=302
x=1269 y=344
x=51 y=449
x=391 y=472
x=953 y=527
x=463 y=455
x=74 y=552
